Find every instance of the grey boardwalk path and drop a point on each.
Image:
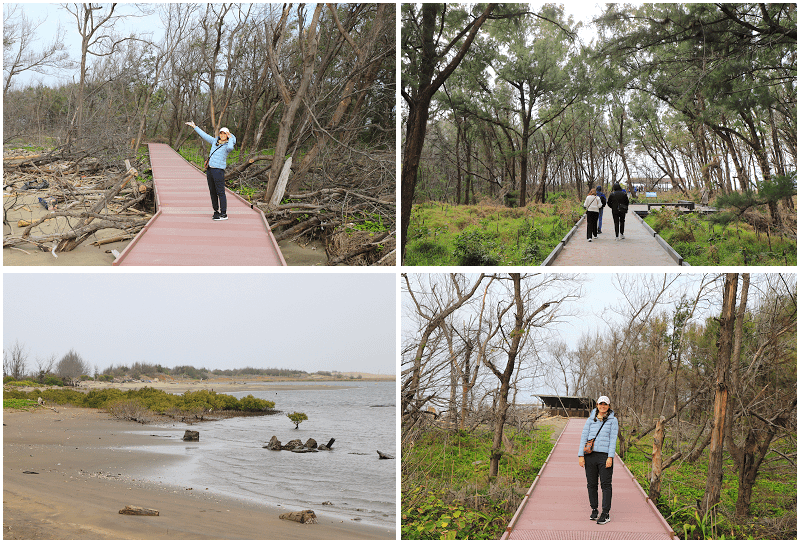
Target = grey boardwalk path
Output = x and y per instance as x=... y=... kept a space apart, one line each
x=557 y=506
x=639 y=248
x=182 y=232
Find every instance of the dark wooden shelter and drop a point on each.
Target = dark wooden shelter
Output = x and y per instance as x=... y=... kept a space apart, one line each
x=560 y=405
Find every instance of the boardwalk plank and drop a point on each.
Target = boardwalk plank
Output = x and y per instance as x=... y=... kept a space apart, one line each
x=182 y=232
x=557 y=506
x=639 y=248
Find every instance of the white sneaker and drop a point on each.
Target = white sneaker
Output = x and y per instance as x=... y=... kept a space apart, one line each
x=622 y=236
x=589 y=240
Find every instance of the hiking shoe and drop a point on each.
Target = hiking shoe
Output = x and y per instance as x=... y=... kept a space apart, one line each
x=593 y=516
x=215 y=216
x=222 y=217
x=603 y=519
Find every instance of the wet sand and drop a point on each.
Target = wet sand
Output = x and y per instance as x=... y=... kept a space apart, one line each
x=85 y=475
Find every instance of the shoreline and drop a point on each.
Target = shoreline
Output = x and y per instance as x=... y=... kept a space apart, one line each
x=87 y=466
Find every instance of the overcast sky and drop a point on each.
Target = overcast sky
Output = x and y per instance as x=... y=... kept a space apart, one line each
x=51 y=15
x=305 y=321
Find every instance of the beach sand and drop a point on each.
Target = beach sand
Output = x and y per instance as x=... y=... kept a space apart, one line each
x=85 y=475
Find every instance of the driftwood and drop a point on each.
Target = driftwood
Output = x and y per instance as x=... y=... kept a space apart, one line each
x=138 y=511
x=94 y=202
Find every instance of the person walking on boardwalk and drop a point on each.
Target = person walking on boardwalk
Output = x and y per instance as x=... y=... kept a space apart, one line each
x=215 y=168
x=600 y=217
x=618 y=202
x=596 y=456
x=592 y=205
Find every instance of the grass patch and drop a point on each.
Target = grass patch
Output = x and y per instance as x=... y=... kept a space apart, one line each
x=446 y=490
x=442 y=234
x=774 y=500
x=703 y=242
x=20 y=404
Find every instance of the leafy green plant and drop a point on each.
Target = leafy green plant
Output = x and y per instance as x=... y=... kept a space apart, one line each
x=297 y=418
x=474 y=247
x=19 y=404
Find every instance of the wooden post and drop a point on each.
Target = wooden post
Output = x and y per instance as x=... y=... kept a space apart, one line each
x=655 y=472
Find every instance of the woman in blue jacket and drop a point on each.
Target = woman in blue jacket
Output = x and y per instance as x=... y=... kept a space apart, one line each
x=602 y=426
x=215 y=172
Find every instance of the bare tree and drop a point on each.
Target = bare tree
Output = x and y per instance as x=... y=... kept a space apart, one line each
x=45 y=366
x=19 y=34
x=308 y=42
x=95 y=25
x=176 y=18
x=447 y=294
x=71 y=367
x=15 y=361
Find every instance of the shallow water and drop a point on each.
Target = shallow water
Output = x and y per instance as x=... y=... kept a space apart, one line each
x=230 y=458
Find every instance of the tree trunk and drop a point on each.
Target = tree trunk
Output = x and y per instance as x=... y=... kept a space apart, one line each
x=727 y=320
x=655 y=473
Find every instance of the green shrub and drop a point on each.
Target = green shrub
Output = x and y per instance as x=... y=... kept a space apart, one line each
x=252 y=404
x=473 y=247
x=99 y=398
x=54 y=381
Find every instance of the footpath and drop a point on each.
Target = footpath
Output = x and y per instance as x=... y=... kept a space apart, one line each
x=639 y=248
x=556 y=506
x=182 y=233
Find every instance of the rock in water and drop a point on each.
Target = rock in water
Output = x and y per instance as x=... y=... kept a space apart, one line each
x=304 y=516
x=292 y=444
x=274 y=444
x=382 y=455
x=193 y=436
x=328 y=445
x=310 y=444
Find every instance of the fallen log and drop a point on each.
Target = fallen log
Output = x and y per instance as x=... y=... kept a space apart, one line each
x=131 y=510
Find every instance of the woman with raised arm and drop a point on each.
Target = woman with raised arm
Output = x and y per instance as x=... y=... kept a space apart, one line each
x=215 y=168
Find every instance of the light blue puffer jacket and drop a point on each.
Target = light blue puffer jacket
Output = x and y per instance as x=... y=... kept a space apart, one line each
x=219 y=159
x=606 y=440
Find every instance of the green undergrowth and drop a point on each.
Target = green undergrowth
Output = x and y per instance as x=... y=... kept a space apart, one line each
x=442 y=234
x=774 y=501
x=446 y=490
x=702 y=241
x=150 y=398
x=20 y=404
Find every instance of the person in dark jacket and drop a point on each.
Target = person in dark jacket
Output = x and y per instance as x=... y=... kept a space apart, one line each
x=602 y=426
x=618 y=202
x=215 y=172
x=602 y=196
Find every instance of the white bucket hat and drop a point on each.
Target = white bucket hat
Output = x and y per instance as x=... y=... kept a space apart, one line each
x=604 y=399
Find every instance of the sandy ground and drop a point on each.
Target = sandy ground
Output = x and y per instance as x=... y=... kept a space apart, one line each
x=311 y=254
x=80 y=484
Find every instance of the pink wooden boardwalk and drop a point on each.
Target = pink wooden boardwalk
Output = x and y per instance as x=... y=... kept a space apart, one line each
x=556 y=506
x=182 y=232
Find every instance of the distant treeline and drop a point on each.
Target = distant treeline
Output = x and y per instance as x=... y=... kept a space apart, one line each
x=138 y=369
